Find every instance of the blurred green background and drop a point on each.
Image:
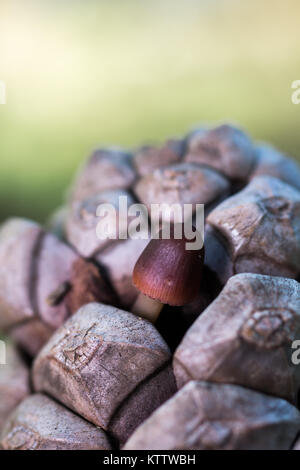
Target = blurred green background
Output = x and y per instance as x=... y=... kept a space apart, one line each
x=85 y=73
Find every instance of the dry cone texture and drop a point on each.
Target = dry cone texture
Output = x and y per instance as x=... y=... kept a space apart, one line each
x=214 y=373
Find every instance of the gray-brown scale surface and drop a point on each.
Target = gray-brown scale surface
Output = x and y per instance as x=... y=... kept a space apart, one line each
x=205 y=416
x=56 y=222
x=183 y=183
x=14 y=382
x=82 y=221
x=245 y=337
x=161 y=178
x=109 y=366
x=225 y=148
x=271 y=162
x=118 y=261
x=149 y=157
x=113 y=368
x=297 y=445
x=35 y=265
x=39 y=423
x=256 y=230
x=107 y=168
x=32 y=265
x=116 y=256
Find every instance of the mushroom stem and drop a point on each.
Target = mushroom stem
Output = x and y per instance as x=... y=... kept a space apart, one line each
x=147 y=308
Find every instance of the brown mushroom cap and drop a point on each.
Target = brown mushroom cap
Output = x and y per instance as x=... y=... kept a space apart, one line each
x=168 y=272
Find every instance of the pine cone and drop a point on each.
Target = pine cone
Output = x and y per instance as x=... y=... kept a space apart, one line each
x=104 y=377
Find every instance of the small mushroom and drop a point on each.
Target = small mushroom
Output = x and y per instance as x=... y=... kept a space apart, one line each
x=167 y=272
